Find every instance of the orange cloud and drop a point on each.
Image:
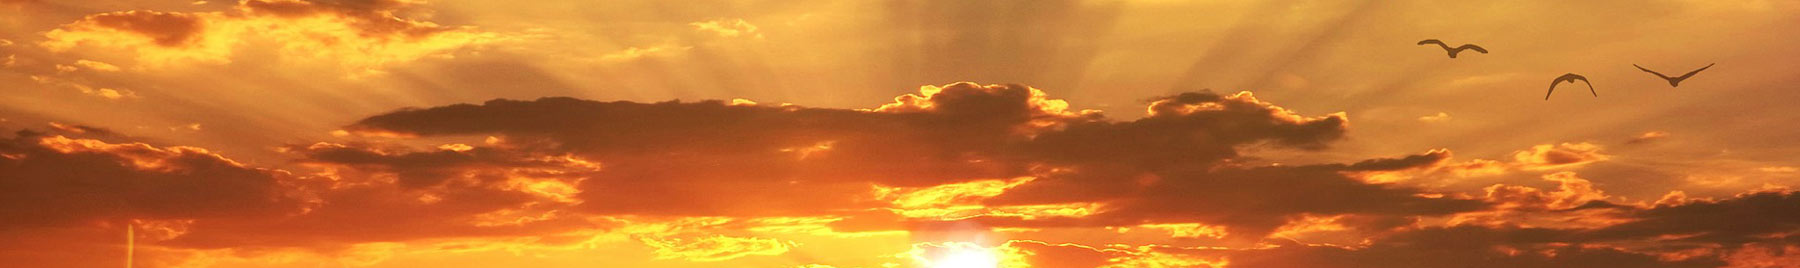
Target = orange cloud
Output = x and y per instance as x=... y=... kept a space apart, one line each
x=360 y=37
x=716 y=248
x=1549 y=156
x=966 y=193
x=1648 y=137
x=1189 y=230
x=1574 y=203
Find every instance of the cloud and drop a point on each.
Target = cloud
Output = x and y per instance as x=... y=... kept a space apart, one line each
x=716 y=248
x=717 y=181
x=634 y=53
x=1764 y=255
x=102 y=92
x=361 y=37
x=728 y=28
x=97 y=66
x=58 y=181
x=398 y=195
x=1436 y=118
x=166 y=29
x=82 y=184
x=813 y=161
x=944 y=136
x=1550 y=156
x=1756 y=217
x=1462 y=246
x=1778 y=169
x=1648 y=137
x=433 y=168
x=1216 y=197
x=1575 y=203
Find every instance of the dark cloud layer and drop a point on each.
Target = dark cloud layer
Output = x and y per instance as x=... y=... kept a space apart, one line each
x=1746 y=218
x=553 y=166
x=54 y=180
x=1463 y=246
x=714 y=156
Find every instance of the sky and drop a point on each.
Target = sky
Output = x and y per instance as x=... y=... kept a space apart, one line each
x=930 y=133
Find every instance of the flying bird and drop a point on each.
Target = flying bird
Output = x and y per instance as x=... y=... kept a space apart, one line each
x=1674 y=81
x=1570 y=77
x=1453 y=51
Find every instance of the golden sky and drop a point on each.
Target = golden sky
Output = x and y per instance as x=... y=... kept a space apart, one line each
x=932 y=133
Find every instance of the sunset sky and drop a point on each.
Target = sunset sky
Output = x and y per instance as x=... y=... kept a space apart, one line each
x=892 y=133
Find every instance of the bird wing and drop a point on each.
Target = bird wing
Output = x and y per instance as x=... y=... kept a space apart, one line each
x=1691 y=74
x=1435 y=42
x=1473 y=46
x=1553 y=86
x=1654 y=72
x=1589 y=84
x=1571 y=79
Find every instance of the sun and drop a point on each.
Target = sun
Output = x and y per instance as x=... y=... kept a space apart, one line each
x=972 y=257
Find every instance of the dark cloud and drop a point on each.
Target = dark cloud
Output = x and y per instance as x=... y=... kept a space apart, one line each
x=1251 y=202
x=352 y=214
x=93 y=181
x=372 y=193
x=1746 y=218
x=1461 y=246
x=427 y=168
x=53 y=180
x=709 y=158
x=712 y=158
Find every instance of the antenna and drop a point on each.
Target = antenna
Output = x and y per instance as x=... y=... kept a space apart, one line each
x=130 y=244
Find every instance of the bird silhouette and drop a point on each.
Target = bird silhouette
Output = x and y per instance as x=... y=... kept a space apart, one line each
x=1570 y=77
x=1674 y=81
x=1453 y=51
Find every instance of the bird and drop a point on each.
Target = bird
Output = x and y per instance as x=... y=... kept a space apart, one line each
x=1570 y=77
x=1674 y=81
x=1453 y=51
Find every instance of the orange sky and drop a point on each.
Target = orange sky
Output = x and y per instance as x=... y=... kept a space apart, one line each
x=814 y=134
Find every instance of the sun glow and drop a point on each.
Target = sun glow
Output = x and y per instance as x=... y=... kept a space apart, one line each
x=957 y=255
x=967 y=258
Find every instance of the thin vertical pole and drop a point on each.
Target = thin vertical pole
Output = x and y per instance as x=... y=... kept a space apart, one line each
x=130 y=244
